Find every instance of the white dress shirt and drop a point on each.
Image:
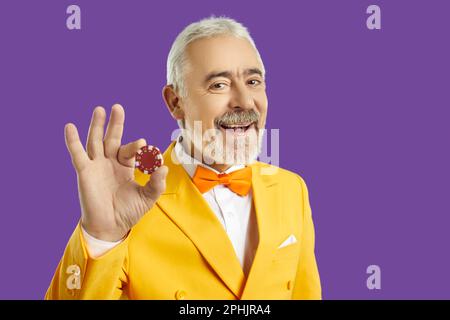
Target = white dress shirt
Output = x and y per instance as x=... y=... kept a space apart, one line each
x=235 y=213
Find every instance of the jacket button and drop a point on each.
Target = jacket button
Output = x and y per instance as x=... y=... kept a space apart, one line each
x=180 y=295
x=289 y=285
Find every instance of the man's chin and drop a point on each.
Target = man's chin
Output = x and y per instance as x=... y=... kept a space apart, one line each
x=230 y=147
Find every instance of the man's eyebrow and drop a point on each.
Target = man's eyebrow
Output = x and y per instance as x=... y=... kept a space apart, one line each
x=251 y=71
x=227 y=74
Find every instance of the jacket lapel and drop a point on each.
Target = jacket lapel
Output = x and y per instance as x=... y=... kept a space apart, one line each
x=187 y=208
x=266 y=199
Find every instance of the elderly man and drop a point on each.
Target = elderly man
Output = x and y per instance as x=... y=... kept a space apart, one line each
x=202 y=226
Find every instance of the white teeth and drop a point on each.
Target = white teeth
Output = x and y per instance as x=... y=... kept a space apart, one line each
x=236 y=126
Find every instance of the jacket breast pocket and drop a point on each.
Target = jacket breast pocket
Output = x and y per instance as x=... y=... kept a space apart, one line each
x=287 y=253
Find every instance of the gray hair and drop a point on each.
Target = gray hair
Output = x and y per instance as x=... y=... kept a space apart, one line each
x=207 y=27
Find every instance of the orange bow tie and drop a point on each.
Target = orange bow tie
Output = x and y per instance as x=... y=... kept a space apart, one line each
x=238 y=181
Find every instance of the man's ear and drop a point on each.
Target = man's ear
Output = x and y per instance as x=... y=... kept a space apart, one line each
x=172 y=101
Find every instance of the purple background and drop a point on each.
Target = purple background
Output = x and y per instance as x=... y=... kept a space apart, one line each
x=363 y=117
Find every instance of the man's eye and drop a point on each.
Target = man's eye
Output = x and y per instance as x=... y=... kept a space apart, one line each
x=254 y=82
x=218 y=86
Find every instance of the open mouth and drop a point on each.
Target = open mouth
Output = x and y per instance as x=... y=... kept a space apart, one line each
x=238 y=127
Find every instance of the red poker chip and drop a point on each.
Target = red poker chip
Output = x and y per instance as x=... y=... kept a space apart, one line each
x=148 y=159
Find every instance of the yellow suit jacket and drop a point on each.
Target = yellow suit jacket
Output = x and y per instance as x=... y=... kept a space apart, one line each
x=179 y=249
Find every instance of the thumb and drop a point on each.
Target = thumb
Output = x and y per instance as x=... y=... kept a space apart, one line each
x=156 y=185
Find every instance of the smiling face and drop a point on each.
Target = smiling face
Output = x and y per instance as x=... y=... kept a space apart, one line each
x=226 y=99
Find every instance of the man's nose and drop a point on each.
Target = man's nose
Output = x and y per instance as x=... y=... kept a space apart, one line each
x=242 y=98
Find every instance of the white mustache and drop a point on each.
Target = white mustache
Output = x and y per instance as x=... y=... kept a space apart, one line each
x=237 y=118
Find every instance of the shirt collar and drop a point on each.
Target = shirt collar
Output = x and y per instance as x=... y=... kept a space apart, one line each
x=190 y=164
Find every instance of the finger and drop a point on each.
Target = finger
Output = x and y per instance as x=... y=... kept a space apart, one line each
x=94 y=143
x=157 y=184
x=79 y=156
x=114 y=131
x=127 y=152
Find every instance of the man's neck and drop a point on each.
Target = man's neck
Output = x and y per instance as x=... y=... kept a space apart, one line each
x=220 y=167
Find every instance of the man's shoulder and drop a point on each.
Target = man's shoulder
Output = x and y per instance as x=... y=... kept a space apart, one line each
x=278 y=174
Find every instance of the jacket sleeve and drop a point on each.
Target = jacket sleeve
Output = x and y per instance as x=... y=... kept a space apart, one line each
x=307 y=283
x=78 y=276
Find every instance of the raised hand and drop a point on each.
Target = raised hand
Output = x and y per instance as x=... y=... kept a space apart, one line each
x=111 y=201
